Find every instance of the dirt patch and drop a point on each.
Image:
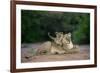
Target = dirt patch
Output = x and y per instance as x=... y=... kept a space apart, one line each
x=28 y=55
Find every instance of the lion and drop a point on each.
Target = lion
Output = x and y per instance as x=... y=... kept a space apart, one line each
x=68 y=44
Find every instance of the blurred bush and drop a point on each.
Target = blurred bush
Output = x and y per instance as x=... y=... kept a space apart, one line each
x=36 y=24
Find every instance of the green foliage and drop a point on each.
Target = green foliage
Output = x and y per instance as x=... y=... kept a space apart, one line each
x=36 y=24
x=82 y=34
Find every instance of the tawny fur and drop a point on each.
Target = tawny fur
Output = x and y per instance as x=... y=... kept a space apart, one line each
x=61 y=44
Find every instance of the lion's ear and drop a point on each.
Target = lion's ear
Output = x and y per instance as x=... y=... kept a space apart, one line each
x=69 y=34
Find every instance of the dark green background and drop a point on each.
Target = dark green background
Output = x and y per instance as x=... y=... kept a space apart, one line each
x=36 y=24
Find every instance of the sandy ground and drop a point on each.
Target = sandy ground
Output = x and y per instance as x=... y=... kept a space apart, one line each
x=27 y=54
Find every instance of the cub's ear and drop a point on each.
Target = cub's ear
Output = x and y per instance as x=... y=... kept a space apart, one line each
x=69 y=34
x=61 y=32
x=56 y=32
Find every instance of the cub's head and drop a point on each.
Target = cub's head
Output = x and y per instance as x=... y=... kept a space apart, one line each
x=67 y=38
x=58 y=39
x=59 y=34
